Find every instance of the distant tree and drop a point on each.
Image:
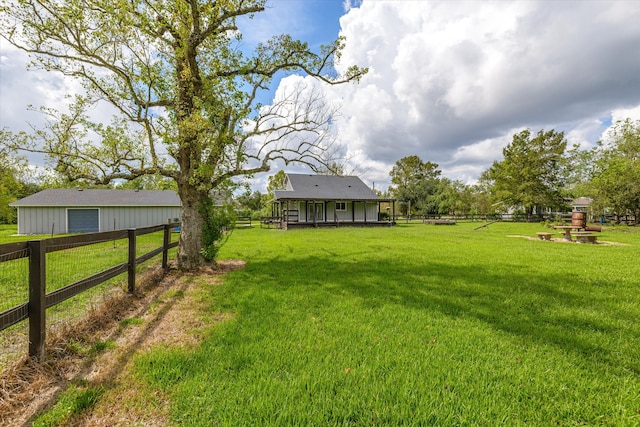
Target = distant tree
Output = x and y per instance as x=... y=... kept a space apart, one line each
x=149 y=182
x=453 y=197
x=276 y=182
x=14 y=182
x=531 y=175
x=251 y=201
x=616 y=175
x=414 y=181
x=482 y=196
x=8 y=187
x=579 y=166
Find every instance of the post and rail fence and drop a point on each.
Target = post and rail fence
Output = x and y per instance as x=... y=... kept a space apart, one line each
x=39 y=300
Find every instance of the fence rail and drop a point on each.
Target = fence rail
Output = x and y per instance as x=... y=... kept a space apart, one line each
x=39 y=301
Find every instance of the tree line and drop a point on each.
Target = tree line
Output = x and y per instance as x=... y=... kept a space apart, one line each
x=538 y=173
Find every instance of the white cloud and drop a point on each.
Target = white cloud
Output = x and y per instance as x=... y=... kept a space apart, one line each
x=625 y=113
x=21 y=88
x=448 y=81
x=452 y=81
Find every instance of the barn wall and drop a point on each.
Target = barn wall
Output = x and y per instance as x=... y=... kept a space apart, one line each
x=135 y=217
x=40 y=220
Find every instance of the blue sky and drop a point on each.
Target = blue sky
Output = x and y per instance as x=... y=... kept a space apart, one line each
x=315 y=21
x=449 y=81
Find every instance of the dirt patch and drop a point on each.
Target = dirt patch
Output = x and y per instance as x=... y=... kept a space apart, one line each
x=164 y=311
x=561 y=240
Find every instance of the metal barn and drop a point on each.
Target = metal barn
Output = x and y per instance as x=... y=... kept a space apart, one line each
x=60 y=211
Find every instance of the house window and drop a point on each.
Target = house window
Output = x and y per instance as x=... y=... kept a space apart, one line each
x=341 y=206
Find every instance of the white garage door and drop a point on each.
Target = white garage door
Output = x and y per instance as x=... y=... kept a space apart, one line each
x=83 y=220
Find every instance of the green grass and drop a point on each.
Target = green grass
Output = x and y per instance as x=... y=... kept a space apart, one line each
x=414 y=325
x=74 y=401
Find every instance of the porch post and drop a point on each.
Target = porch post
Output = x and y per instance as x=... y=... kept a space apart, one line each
x=324 y=207
x=353 y=211
x=365 y=211
x=281 y=215
x=313 y=212
x=393 y=214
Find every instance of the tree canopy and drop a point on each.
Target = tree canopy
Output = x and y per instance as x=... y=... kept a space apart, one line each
x=531 y=174
x=414 y=180
x=615 y=181
x=14 y=182
x=184 y=93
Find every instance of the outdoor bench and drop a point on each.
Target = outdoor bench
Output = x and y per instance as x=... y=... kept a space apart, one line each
x=585 y=237
x=544 y=235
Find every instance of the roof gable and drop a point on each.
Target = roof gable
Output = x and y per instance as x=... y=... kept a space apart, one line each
x=59 y=197
x=325 y=187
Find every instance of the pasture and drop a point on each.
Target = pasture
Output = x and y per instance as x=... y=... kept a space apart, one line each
x=413 y=325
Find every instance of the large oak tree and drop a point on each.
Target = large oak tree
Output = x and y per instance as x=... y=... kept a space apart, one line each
x=185 y=94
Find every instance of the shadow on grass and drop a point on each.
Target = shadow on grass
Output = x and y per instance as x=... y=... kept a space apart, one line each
x=557 y=309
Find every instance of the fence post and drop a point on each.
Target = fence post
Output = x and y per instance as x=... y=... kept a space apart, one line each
x=165 y=246
x=37 y=299
x=131 y=268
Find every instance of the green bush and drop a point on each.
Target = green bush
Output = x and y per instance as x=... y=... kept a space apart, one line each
x=218 y=219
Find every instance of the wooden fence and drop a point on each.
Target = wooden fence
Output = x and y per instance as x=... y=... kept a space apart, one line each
x=39 y=300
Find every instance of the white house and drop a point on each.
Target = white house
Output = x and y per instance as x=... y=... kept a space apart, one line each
x=317 y=200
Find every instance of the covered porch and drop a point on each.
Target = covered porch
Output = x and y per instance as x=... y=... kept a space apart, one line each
x=300 y=213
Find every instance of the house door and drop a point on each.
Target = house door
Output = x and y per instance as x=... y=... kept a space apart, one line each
x=316 y=211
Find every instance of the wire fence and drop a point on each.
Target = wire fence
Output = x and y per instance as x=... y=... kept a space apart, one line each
x=79 y=274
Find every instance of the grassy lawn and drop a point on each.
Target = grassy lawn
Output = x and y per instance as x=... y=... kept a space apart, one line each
x=414 y=325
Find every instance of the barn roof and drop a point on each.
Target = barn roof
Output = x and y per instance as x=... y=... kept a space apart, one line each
x=59 y=197
x=325 y=187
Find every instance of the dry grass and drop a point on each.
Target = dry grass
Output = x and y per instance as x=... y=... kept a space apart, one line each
x=166 y=313
x=561 y=240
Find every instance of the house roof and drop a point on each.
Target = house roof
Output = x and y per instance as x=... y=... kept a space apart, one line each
x=582 y=201
x=59 y=197
x=325 y=187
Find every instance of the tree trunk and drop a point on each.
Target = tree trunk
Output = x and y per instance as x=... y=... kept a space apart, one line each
x=189 y=256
